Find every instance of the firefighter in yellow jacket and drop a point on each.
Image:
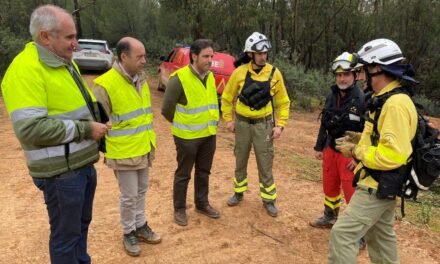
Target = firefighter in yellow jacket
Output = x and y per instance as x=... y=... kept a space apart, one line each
x=382 y=151
x=125 y=95
x=261 y=113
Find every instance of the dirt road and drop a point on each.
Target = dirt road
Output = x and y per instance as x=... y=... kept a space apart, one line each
x=244 y=234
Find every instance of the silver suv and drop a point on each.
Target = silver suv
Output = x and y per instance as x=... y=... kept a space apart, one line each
x=92 y=54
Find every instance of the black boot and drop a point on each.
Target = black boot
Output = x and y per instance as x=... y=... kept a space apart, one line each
x=235 y=199
x=327 y=220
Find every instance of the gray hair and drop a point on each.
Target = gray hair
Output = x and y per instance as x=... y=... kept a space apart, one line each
x=45 y=18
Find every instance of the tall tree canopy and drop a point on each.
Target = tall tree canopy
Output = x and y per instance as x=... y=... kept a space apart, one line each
x=307 y=33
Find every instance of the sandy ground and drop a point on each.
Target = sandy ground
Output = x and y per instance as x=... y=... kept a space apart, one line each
x=243 y=234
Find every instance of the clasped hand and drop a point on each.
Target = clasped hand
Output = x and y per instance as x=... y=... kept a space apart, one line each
x=347 y=143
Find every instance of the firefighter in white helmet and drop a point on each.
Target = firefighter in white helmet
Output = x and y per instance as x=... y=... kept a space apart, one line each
x=383 y=151
x=261 y=113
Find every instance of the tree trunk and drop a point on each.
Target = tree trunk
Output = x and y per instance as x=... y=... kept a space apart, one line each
x=77 y=16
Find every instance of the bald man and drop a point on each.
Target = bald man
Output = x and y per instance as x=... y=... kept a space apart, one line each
x=130 y=144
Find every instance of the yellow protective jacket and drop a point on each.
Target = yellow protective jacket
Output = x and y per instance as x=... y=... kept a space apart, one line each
x=278 y=91
x=397 y=125
x=132 y=133
x=49 y=114
x=199 y=117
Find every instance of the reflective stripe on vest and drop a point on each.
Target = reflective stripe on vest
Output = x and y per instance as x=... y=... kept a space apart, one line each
x=132 y=131
x=199 y=117
x=56 y=151
x=128 y=132
x=134 y=114
x=49 y=93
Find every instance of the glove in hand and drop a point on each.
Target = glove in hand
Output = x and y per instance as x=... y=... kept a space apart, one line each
x=349 y=136
x=346 y=148
x=353 y=137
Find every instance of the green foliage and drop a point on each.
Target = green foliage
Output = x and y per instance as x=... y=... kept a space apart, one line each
x=307 y=34
x=430 y=107
x=425 y=212
x=307 y=90
x=10 y=47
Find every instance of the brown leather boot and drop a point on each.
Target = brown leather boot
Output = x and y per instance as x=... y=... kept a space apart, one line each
x=180 y=217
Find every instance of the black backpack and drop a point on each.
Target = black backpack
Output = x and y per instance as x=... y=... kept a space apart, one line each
x=423 y=167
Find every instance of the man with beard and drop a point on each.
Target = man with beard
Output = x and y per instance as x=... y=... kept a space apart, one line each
x=342 y=112
x=191 y=105
x=262 y=97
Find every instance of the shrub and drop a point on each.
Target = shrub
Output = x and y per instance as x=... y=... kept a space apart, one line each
x=306 y=91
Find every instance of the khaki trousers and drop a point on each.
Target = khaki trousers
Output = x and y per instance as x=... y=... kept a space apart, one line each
x=133 y=185
x=365 y=216
x=259 y=136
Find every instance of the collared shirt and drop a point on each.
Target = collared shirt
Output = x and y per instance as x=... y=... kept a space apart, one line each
x=101 y=95
x=133 y=79
x=201 y=76
x=174 y=94
x=50 y=58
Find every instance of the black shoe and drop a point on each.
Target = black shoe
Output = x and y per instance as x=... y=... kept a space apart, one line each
x=131 y=244
x=180 y=217
x=208 y=211
x=270 y=208
x=235 y=199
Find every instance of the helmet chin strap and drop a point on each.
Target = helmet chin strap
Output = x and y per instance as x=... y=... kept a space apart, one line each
x=255 y=63
x=369 y=75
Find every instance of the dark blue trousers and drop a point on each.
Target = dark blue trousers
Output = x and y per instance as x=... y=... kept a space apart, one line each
x=69 y=201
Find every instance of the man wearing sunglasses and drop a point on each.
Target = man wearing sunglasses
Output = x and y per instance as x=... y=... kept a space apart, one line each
x=343 y=110
x=261 y=113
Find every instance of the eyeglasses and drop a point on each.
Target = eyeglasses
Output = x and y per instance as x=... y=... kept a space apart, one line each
x=263 y=45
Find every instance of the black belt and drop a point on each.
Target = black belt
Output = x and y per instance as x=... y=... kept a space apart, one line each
x=253 y=121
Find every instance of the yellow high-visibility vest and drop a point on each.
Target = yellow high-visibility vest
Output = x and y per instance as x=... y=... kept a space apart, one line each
x=32 y=90
x=199 y=117
x=132 y=131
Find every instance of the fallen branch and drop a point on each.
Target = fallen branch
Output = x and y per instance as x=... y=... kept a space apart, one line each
x=263 y=233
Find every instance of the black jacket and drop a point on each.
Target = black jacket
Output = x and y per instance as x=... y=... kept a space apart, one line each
x=340 y=114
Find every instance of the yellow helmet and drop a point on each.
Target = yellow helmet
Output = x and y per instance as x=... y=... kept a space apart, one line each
x=343 y=63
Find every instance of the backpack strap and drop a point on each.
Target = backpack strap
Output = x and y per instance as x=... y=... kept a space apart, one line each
x=271 y=99
x=272 y=73
x=376 y=106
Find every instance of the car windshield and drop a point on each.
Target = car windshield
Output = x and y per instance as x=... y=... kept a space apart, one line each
x=92 y=46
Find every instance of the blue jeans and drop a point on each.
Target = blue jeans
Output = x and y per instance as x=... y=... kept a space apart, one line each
x=69 y=201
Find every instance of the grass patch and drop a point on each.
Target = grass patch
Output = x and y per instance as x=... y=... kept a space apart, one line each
x=307 y=168
x=425 y=212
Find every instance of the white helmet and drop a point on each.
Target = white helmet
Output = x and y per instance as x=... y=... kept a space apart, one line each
x=257 y=42
x=380 y=51
x=343 y=63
